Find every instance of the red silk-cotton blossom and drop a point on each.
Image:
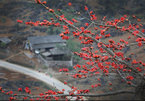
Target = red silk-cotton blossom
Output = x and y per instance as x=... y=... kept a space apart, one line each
x=64 y=70
x=38 y=1
x=95 y=51
x=44 y=2
x=70 y=4
x=19 y=21
x=130 y=77
x=86 y=8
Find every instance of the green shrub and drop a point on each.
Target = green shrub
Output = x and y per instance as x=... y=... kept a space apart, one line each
x=2 y=44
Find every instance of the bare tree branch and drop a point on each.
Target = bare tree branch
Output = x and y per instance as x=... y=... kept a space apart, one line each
x=103 y=46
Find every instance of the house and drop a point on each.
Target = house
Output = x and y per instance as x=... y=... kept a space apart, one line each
x=50 y=48
x=42 y=43
x=4 y=41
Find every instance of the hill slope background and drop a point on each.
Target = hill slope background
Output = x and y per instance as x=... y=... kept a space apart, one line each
x=11 y=10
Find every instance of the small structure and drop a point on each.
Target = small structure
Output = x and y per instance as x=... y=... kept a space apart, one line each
x=50 y=48
x=45 y=42
x=5 y=40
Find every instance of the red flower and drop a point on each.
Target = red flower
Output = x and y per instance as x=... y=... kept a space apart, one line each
x=130 y=77
x=70 y=4
x=91 y=12
x=86 y=8
x=27 y=90
x=92 y=86
x=0 y=88
x=111 y=41
x=2 y=91
x=107 y=35
x=19 y=89
x=96 y=28
x=106 y=71
x=125 y=16
x=65 y=82
x=59 y=92
x=19 y=21
x=65 y=37
x=110 y=84
x=38 y=1
x=11 y=92
x=128 y=82
x=11 y=98
x=63 y=70
x=86 y=24
x=122 y=19
x=104 y=18
x=143 y=30
x=138 y=69
x=61 y=34
x=93 y=17
x=98 y=37
x=74 y=20
x=63 y=90
x=51 y=10
x=86 y=91
x=137 y=26
x=133 y=16
x=139 y=44
x=138 y=20
x=129 y=37
x=99 y=84
x=44 y=2
x=57 y=24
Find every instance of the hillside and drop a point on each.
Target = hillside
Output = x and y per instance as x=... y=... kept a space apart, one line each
x=11 y=81
x=28 y=10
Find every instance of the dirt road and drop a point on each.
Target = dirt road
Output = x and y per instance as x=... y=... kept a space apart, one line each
x=35 y=74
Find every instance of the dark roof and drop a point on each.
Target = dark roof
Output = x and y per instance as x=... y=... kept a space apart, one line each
x=51 y=45
x=5 y=40
x=45 y=39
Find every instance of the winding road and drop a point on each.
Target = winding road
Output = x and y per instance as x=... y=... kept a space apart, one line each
x=35 y=74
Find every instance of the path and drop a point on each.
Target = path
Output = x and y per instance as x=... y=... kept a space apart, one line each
x=35 y=74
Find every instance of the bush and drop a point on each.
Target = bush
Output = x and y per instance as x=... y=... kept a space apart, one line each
x=3 y=45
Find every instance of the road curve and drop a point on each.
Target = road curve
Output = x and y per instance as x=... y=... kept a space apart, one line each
x=35 y=74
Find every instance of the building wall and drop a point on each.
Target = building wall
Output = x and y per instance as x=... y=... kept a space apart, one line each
x=59 y=63
x=55 y=63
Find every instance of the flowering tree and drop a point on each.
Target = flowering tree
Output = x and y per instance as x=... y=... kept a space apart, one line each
x=101 y=54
